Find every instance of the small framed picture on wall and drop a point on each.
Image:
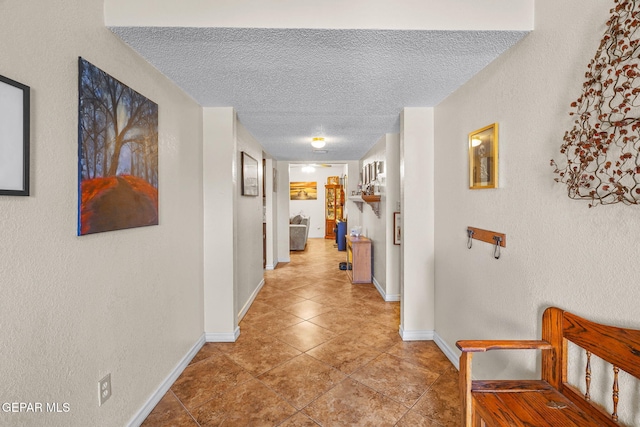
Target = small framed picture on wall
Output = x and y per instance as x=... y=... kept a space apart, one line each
x=397 y=228
x=249 y=175
x=483 y=158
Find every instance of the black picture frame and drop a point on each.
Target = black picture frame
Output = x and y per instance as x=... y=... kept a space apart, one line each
x=397 y=228
x=14 y=137
x=249 y=175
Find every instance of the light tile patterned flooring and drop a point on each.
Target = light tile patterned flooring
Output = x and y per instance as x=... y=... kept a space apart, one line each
x=315 y=350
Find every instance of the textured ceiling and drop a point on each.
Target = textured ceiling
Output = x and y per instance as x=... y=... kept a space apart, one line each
x=289 y=85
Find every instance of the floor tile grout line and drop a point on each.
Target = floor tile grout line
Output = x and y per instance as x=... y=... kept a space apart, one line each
x=185 y=408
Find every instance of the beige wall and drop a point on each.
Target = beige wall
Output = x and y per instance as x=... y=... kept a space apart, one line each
x=220 y=189
x=417 y=252
x=248 y=218
x=559 y=252
x=282 y=209
x=232 y=225
x=379 y=228
x=74 y=308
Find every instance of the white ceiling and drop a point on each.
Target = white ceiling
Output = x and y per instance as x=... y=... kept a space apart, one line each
x=289 y=85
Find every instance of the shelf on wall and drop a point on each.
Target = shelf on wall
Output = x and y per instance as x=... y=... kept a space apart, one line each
x=370 y=199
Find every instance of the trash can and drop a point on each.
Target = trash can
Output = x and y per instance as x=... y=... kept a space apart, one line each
x=341 y=235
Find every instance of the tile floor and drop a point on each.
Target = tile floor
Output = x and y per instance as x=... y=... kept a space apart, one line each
x=315 y=350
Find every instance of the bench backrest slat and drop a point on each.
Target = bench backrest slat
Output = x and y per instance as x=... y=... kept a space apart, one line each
x=618 y=346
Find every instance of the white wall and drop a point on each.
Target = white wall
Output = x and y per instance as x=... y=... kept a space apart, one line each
x=282 y=208
x=559 y=252
x=352 y=211
x=126 y=302
x=313 y=208
x=233 y=225
x=271 y=215
x=249 y=244
x=386 y=255
x=219 y=189
x=393 y=202
x=417 y=259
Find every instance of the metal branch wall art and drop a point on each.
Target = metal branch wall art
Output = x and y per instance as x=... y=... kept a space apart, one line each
x=602 y=149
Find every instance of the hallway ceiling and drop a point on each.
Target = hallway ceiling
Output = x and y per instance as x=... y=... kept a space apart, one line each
x=289 y=85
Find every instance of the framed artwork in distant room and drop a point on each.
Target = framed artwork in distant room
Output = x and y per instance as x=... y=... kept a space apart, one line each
x=483 y=158
x=333 y=180
x=249 y=175
x=275 y=180
x=117 y=154
x=397 y=228
x=14 y=138
x=303 y=190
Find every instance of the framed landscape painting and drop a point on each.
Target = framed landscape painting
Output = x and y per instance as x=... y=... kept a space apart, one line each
x=117 y=154
x=303 y=190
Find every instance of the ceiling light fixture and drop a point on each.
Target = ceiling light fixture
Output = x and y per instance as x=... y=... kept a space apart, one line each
x=475 y=142
x=318 y=142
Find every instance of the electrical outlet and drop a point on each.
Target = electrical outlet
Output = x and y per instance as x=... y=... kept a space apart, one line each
x=104 y=387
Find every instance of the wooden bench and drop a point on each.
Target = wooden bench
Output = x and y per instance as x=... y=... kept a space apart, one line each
x=550 y=401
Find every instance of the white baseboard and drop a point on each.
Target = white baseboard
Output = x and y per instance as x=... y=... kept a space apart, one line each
x=416 y=335
x=387 y=298
x=151 y=403
x=432 y=336
x=448 y=351
x=222 y=337
x=250 y=301
x=271 y=266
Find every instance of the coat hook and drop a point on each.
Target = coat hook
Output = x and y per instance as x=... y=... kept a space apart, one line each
x=496 y=251
x=470 y=236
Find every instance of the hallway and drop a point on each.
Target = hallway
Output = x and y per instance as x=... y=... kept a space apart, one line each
x=315 y=350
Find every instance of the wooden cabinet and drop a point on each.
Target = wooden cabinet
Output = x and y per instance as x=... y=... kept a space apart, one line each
x=334 y=201
x=359 y=256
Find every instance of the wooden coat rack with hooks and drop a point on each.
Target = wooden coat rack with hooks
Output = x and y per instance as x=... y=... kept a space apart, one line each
x=492 y=237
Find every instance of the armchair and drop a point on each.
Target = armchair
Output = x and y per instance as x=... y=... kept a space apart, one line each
x=298 y=232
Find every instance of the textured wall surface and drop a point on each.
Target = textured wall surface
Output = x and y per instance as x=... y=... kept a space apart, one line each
x=220 y=191
x=392 y=189
x=559 y=252
x=74 y=308
x=248 y=217
x=375 y=227
x=417 y=314
x=282 y=209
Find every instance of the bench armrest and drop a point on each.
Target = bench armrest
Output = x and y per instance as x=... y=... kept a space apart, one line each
x=480 y=346
x=469 y=347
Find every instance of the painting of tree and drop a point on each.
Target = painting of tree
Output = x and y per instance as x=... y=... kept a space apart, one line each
x=602 y=150
x=118 y=154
